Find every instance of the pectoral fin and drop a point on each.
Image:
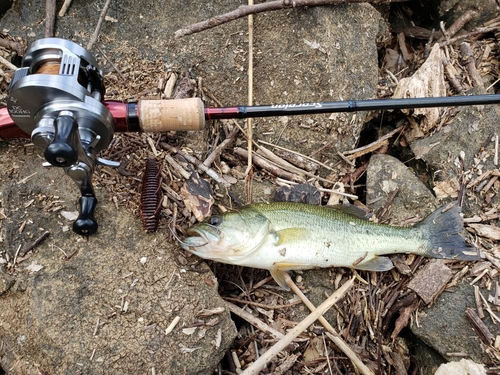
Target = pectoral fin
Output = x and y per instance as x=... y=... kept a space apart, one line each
x=279 y=277
x=290 y=235
x=378 y=264
x=279 y=271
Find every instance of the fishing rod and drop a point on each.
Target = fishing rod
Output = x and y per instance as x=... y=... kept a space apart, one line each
x=56 y=98
x=191 y=114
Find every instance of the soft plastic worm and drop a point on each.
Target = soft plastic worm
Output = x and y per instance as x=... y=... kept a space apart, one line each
x=151 y=195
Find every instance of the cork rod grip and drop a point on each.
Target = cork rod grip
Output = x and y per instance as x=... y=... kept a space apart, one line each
x=173 y=114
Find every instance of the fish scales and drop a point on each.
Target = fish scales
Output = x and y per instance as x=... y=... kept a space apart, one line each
x=328 y=237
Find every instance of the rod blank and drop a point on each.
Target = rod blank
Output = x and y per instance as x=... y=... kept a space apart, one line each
x=213 y=113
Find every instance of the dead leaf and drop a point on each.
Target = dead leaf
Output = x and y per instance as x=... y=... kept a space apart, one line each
x=315 y=349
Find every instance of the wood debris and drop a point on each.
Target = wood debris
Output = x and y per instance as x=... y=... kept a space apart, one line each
x=431 y=280
x=428 y=81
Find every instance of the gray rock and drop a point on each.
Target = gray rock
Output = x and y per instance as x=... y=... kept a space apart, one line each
x=99 y=306
x=464 y=135
x=450 y=11
x=445 y=327
x=384 y=175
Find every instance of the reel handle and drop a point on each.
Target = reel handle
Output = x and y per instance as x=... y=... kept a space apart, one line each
x=62 y=151
x=86 y=223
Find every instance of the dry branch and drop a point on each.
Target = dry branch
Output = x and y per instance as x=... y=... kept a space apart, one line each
x=197 y=163
x=245 y=10
x=268 y=166
x=50 y=18
x=99 y=25
x=332 y=334
x=458 y=25
x=353 y=154
x=255 y=368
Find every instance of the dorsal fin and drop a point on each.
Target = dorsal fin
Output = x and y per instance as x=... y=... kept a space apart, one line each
x=350 y=209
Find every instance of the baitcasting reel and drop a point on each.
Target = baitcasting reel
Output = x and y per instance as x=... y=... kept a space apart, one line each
x=57 y=97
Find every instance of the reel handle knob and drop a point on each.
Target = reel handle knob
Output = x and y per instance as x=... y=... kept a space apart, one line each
x=62 y=151
x=86 y=223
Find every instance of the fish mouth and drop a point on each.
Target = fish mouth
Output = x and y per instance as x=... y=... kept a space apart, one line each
x=194 y=240
x=199 y=237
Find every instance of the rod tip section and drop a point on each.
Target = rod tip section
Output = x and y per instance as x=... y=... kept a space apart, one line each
x=169 y=115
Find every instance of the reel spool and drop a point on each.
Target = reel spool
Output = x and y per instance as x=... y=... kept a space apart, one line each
x=59 y=75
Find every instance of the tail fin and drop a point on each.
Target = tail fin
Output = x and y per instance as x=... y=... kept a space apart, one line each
x=443 y=229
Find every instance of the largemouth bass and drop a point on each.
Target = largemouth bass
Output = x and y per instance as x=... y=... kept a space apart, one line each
x=284 y=236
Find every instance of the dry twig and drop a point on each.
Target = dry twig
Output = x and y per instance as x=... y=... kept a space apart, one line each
x=255 y=368
x=64 y=8
x=245 y=10
x=458 y=25
x=15 y=46
x=353 y=154
x=253 y=320
x=332 y=334
x=7 y=63
x=34 y=244
x=197 y=163
x=99 y=25
x=50 y=18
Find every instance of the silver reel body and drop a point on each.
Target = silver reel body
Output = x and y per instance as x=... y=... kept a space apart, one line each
x=57 y=98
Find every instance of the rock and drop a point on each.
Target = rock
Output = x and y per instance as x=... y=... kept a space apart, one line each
x=431 y=280
x=302 y=193
x=336 y=59
x=102 y=305
x=6 y=282
x=447 y=316
x=485 y=10
x=384 y=175
x=463 y=138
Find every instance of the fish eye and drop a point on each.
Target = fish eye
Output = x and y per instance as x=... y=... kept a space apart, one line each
x=215 y=220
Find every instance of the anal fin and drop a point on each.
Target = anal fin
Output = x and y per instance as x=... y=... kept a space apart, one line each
x=377 y=264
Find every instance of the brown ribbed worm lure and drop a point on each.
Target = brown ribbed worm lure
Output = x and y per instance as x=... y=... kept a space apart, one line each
x=151 y=195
